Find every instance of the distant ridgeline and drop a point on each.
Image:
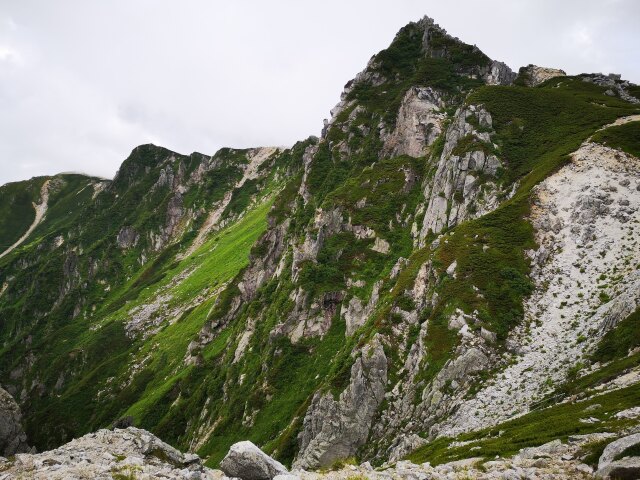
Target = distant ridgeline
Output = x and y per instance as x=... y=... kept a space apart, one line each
x=458 y=249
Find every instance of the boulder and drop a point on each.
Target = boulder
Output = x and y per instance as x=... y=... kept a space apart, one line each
x=248 y=462
x=615 y=448
x=551 y=449
x=627 y=468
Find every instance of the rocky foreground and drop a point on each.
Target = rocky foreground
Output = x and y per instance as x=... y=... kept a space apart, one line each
x=133 y=453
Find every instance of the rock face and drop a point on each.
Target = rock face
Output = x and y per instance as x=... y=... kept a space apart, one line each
x=105 y=454
x=455 y=193
x=248 y=462
x=356 y=313
x=614 y=84
x=419 y=123
x=12 y=437
x=336 y=429
x=583 y=216
x=532 y=75
x=127 y=237
x=499 y=73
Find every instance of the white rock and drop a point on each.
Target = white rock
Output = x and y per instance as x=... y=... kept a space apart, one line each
x=247 y=462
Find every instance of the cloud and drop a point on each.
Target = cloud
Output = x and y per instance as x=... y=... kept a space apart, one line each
x=82 y=83
x=8 y=54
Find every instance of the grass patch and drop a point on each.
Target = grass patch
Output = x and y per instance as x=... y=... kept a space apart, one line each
x=624 y=137
x=535 y=428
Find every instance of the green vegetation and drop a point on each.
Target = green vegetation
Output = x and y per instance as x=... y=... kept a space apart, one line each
x=619 y=341
x=74 y=292
x=536 y=127
x=80 y=354
x=624 y=137
x=16 y=209
x=404 y=64
x=535 y=428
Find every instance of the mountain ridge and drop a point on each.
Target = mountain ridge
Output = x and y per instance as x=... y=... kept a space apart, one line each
x=357 y=295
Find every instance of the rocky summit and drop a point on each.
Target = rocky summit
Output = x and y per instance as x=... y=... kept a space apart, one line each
x=445 y=284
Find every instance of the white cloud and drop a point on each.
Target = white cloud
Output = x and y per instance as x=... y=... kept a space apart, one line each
x=8 y=54
x=82 y=83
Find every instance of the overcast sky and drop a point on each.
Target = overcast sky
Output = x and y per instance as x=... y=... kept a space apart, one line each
x=82 y=82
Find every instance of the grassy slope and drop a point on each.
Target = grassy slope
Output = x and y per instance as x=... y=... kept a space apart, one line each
x=16 y=209
x=535 y=428
x=68 y=194
x=215 y=263
x=623 y=137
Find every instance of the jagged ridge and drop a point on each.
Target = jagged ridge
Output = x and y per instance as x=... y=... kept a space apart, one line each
x=387 y=287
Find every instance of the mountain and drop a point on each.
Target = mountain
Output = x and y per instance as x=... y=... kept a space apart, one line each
x=451 y=270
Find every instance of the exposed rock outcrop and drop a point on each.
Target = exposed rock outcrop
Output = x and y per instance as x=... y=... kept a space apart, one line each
x=419 y=123
x=336 y=429
x=464 y=185
x=583 y=216
x=614 y=84
x=499 y=73
x=614 y=451
x=552 y=461
x=625 y=468
x=356 y=312
x=12 y=437
x=127 y=237
x=532 y=75
x=106 y=454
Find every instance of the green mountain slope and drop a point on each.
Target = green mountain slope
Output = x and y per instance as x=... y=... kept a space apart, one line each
x=358 y=295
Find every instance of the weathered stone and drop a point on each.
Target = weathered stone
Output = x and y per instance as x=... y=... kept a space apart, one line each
x=248 y=462
x=548 y=450
x=380 y=245
x=499 y=73
x=404 y=445
x=104 y=454
x=12 y=437
x=533 y=75
x=627 y=468
x=127 y=237
x=419 y=123
x=455 y=192
x=335 y=429
x=615 y=448
x=356 y=312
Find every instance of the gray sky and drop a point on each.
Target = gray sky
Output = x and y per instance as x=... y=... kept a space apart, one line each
x=82 y=82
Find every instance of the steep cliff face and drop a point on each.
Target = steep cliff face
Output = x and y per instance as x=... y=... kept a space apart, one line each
x=465 y=183
x=455 y=250
x=12 y=437
x=336 y=429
